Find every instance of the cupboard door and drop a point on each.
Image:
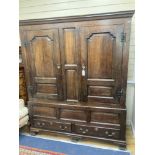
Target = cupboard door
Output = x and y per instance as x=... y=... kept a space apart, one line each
x=101 y=63
x=44 y=58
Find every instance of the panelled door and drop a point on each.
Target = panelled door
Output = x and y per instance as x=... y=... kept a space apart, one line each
x=101 y=63
x=44 y=58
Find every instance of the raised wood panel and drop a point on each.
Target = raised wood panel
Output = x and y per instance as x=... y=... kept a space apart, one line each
x=105 y=117
x=101 y=82
x=101 y=99
x=100 y=52
x=45 y=95
x=44 y=111
x=99 y=90
x=43 y=56
x=45 y=80
x=73 y=115
x=47 y=88
x=70 y=45
x=71 y=85
x=70 y=58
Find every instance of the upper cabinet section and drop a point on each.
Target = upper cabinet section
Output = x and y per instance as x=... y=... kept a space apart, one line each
x=77 y=58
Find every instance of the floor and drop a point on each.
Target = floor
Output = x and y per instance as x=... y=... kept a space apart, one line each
x=129 y=137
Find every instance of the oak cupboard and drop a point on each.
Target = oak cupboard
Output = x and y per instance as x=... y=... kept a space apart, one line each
x=76 y=74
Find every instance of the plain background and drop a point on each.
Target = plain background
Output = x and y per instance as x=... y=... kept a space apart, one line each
x=144 y=77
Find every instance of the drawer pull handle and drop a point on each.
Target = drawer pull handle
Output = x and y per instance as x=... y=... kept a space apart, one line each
x=63 y=127
x=84 y=132
x=43 y=123
x=110 y=135
x=38 y=123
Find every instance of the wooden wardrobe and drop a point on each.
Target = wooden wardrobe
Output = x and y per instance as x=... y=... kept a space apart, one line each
x=76 y=74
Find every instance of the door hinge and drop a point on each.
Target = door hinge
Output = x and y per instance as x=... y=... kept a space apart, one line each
x=25 y=43
x=119 y=93
x=123 y=37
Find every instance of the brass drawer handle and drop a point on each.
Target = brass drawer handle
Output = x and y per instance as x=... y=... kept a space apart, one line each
x=81 y=129
x=63 y=127
x=86 y=130
x=38 y=123
x=110 y=135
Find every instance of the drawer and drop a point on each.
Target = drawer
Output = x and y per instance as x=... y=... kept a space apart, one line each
x=52 y=125
x=97 y=131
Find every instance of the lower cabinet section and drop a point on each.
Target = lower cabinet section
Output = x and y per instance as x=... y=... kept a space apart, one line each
x=86 y=129
x=102 y=123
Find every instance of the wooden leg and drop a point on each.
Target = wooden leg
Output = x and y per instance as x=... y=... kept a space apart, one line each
x=33 y=132
x=122 y=146
x=76 y=138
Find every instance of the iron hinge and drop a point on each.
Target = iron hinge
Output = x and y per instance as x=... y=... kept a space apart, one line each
x=123 y=37
x=119 y=94
x=25 y=43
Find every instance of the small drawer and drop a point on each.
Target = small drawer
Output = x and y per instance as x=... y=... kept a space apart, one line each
x=60 y=126
x=97 y=131
x=52 y=125
x=40 y=124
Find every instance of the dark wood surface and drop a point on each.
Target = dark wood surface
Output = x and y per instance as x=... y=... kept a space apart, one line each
x=76 y=72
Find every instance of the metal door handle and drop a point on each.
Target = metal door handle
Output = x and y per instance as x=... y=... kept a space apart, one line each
x=58 y=66
x=83 y=70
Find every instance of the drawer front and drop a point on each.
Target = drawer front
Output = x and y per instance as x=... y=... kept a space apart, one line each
x=52 y=125
x=104 y=117
x=70 y=114
x=97 y=131
x=43 y=111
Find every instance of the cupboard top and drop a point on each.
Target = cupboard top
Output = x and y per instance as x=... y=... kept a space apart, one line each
x=112 y=15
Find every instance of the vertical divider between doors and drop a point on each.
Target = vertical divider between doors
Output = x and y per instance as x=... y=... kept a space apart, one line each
x=62 y=56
